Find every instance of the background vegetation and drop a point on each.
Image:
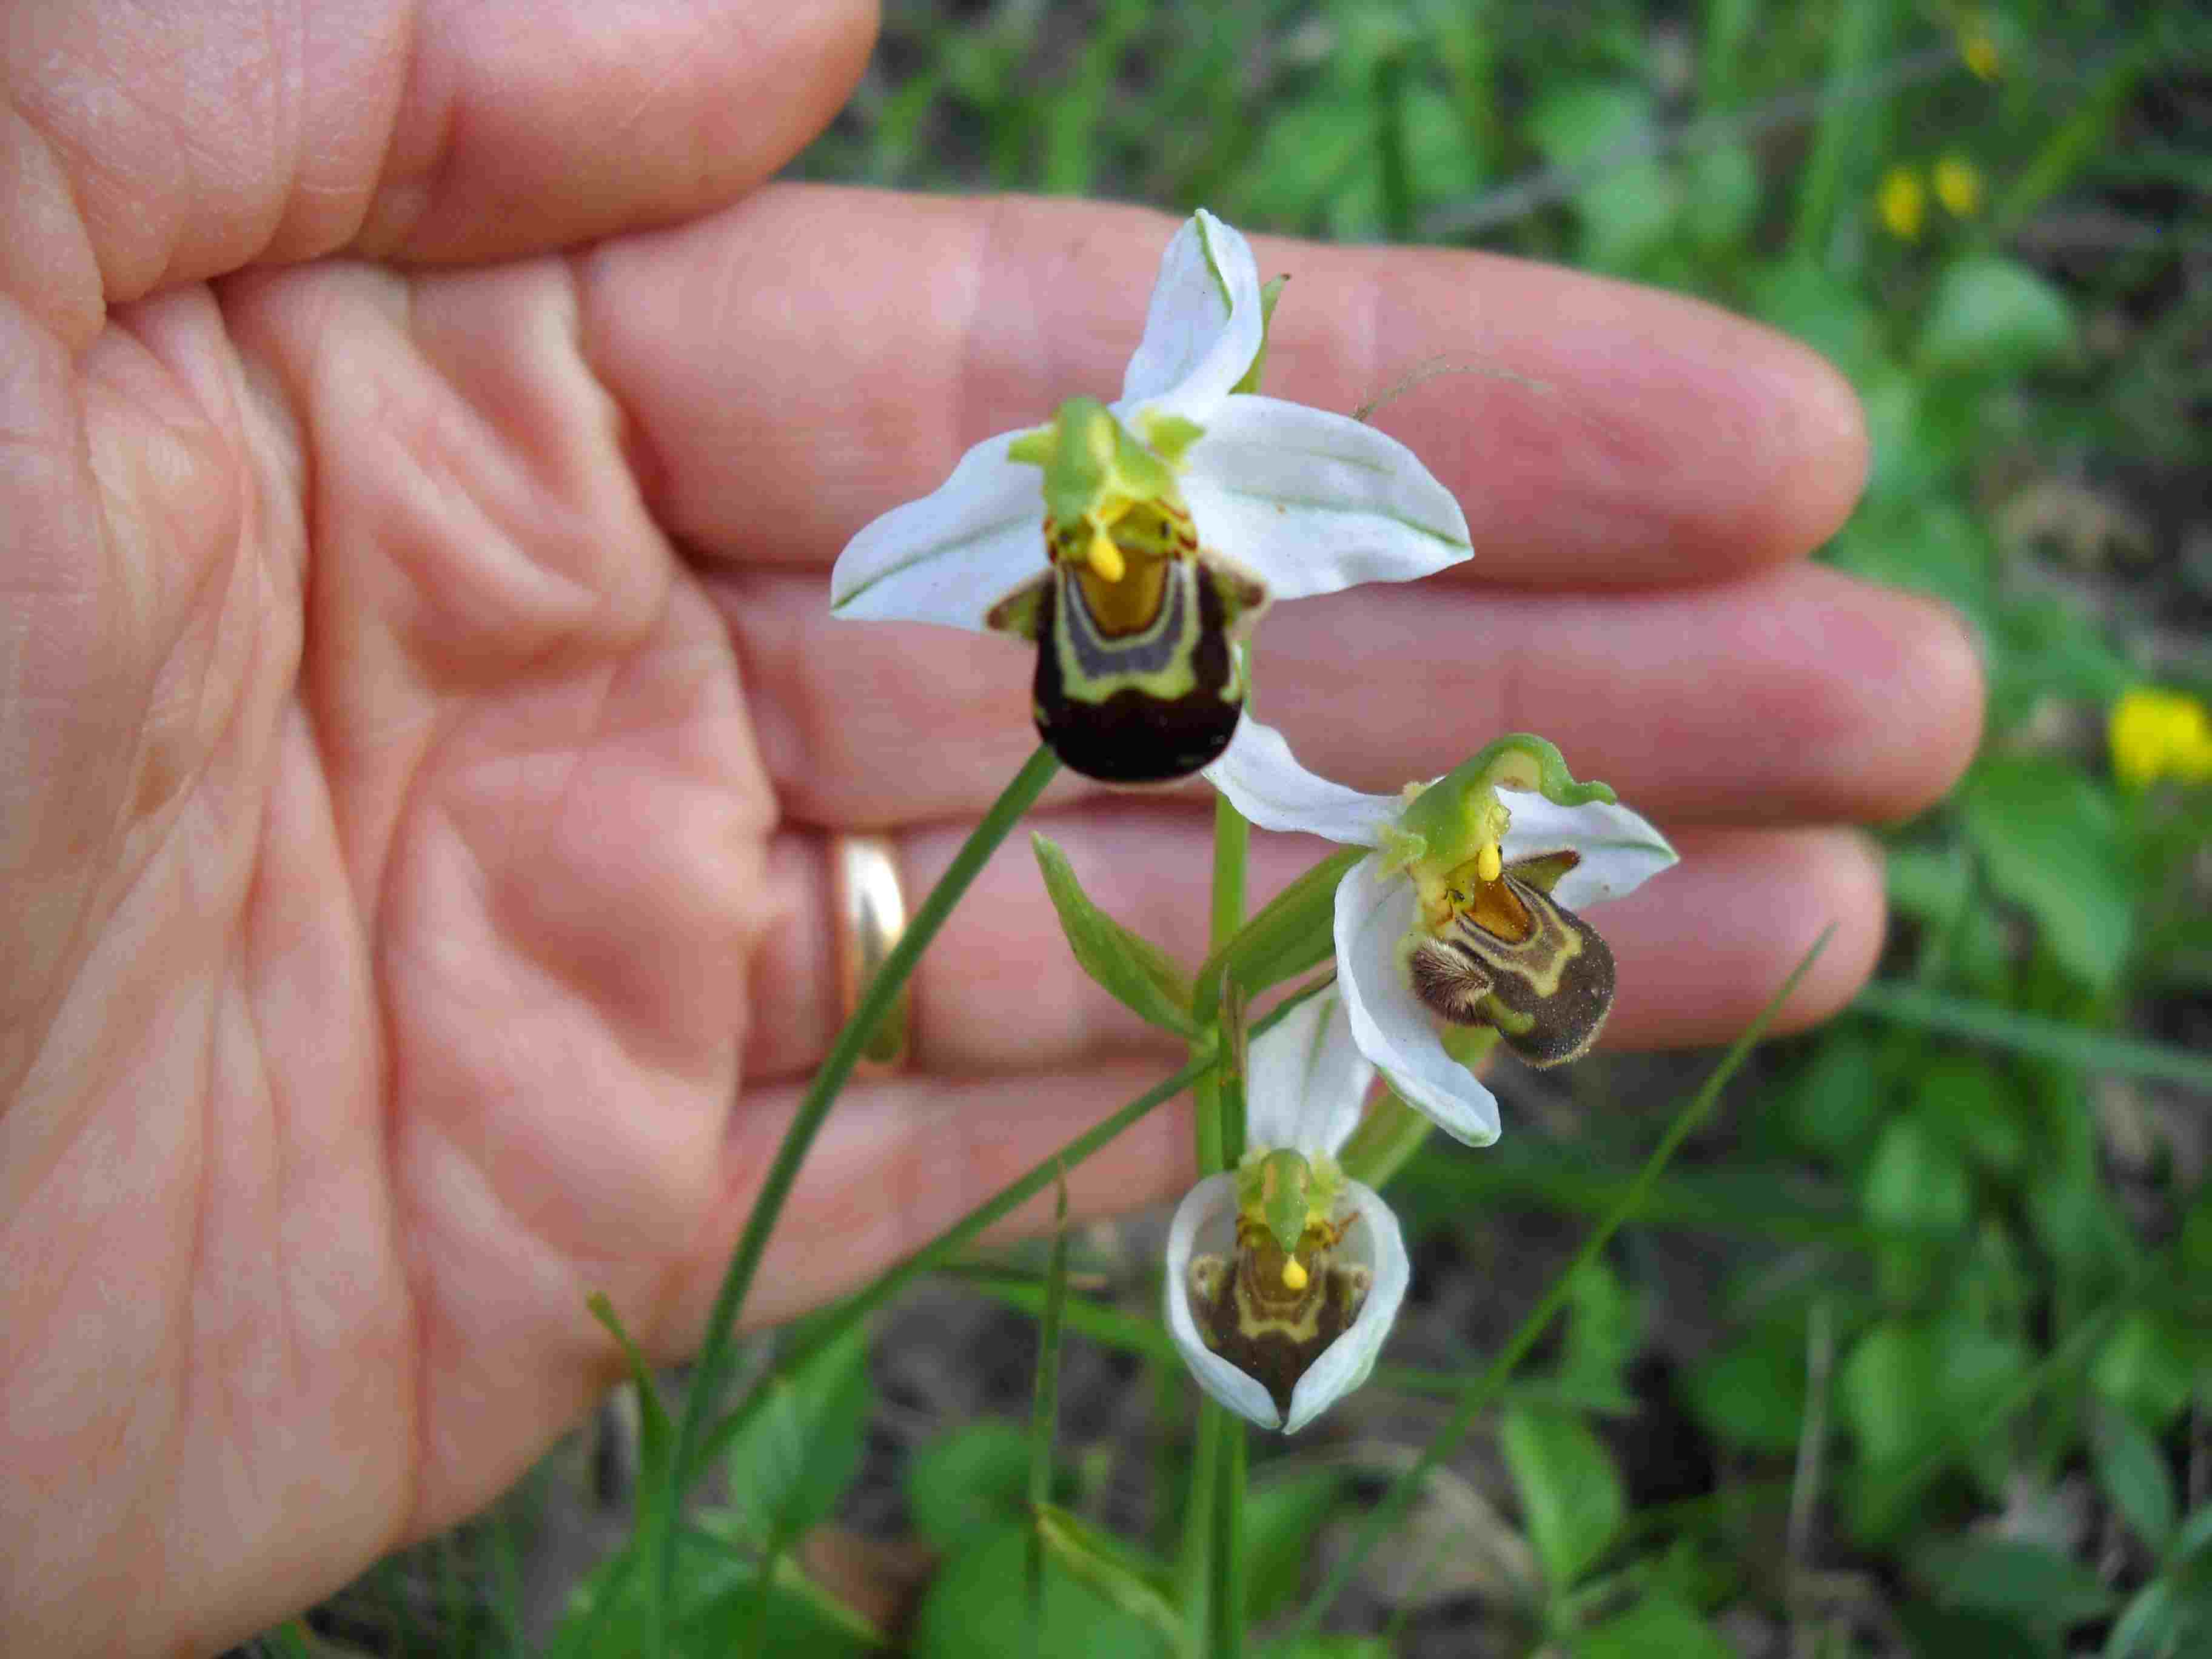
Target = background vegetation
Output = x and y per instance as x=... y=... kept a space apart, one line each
x=1911 y=1352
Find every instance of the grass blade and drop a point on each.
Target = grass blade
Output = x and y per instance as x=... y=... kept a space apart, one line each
x=2040 y=1039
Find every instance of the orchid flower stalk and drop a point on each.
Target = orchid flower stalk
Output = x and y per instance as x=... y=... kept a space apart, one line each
x=1135 y=543
x=1285 y=1314
x=1461 y=929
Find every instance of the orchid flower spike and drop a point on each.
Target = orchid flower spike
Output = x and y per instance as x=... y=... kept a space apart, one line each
x=1460 y=930
x=1290 y=1319
x=1169 y=520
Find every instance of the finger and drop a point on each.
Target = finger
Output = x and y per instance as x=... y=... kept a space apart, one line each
x=1794 y=695
x=1600 y=433
x=1700 y=947
x=149 y=152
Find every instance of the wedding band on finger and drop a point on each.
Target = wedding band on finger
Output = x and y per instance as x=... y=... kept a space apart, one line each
x=867 y=914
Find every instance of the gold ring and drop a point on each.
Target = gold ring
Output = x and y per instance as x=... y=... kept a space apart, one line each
x=867 y=910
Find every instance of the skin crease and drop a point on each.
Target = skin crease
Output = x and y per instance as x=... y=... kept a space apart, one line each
x=423 y=446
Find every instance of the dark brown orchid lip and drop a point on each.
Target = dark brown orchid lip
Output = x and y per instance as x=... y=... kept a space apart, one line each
x=1512 y=958
x=1250 y=1313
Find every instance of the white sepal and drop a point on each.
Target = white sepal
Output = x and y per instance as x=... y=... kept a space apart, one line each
x=1315 y=501
x=951 y=556
x=1265 y=782
x=1346 y=1363
x=1621 y=851
x=1210 y=1200
x=1305 y=1080
x=1203 y=328
x=1375 y=908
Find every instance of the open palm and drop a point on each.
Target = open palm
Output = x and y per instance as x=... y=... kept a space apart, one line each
x=421 y=721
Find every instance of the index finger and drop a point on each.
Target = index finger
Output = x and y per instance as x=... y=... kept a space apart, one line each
x=806 y=360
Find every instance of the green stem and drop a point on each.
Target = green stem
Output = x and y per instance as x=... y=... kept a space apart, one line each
x=875 y=1001
x=1195 y=1565
x=1485 y=1389
x=1219 y=1129
x=1228 y=1587
x=1232 y=840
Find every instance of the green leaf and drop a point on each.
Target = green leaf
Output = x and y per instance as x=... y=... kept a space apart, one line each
x=2134 y=1475
x=978 y=1608
x=1926 y=546
x=1751 y=1391
x=1605 y=1328
x=2028 y=1583
x=2192 y=1549
x=1098 y=1559
x=2157 y=1624
x=1282 y=1519
x=1883 y=1391
x=2195 y=1244
x=1389 y=1136
x=1657 y=1624
x=1294 y=932
x=1832 y=1103
x=968 y=1480
x=1965 y=1099
x=1138 y=974
x=801 y=1451
x=2146 y=1367
x=1802 y=299
x=1722 y=195
x=289 y=1640
x=1970 y=1633
x=2051 y=843
x=719 y=1607
x=1991 y=316
x=1915 y=1184
x=1628 y=213
x=1571 y=1497
x=1577 y=122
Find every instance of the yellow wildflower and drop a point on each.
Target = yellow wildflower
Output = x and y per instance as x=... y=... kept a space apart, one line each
x=2155 y=734
x=1959 y=185
x=1902 y=202
x=1979 y=49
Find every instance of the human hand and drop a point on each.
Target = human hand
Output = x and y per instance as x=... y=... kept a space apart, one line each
x=424 y=716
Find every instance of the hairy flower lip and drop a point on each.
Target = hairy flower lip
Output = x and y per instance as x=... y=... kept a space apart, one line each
x=1307 y=1082
x=1379 y=908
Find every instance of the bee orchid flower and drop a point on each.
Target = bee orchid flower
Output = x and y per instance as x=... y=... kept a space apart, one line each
x=1135 y=543
x=1462 y=930
x=1283 y=1313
